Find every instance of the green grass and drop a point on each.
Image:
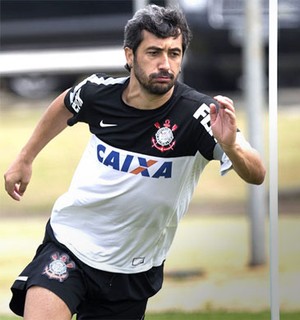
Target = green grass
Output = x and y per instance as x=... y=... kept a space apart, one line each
x=53 y=168
x=216 y=245
x=55 y=165
x=220 y=316
x=207 y=316
x=219 y=258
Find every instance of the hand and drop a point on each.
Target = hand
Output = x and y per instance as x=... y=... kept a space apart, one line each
x=223 y=122
x=246 y=161
x=17 y=178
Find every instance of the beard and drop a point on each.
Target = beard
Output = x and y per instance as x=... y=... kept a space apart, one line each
x=150 y=84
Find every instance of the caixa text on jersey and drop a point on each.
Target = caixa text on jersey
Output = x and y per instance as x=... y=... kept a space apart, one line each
x=134 y=164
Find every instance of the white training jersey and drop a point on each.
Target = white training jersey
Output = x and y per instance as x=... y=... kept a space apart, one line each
x=136 y=177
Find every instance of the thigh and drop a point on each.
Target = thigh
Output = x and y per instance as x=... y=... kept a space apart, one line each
x=112 y=310
x=54 y=270
x=41 y=303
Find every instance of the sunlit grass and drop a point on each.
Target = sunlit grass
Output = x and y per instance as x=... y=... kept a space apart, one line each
x=51 y=177
x=217 y=246
x=52 y=170
x=219 y=315
x=55 y=165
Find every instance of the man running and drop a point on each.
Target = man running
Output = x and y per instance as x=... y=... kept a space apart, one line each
x=151 y=137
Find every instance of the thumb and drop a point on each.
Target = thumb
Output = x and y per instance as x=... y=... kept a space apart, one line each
x=213 y=113
x=18 y=190
x=22 y=188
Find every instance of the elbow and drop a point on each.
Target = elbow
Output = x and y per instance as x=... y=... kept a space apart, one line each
x=258 y=181
x=259 y=177
x=256 y=175
x=257 y=171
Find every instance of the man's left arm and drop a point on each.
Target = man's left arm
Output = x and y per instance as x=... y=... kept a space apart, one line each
x=245 y=160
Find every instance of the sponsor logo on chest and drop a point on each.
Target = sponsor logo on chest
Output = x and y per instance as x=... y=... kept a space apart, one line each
x=138 y=165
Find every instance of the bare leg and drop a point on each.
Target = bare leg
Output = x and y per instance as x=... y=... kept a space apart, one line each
x=43 y=304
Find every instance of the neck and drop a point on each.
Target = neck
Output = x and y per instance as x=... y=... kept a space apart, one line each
x=135 y=96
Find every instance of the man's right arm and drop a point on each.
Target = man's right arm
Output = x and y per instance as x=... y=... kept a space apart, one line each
x=50 y=125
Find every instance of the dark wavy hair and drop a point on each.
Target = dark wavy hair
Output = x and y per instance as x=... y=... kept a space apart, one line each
x=160 y=21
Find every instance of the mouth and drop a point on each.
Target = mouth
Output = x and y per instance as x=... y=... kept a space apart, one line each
x=162 y=77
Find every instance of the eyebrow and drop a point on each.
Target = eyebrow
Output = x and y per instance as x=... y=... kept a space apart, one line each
x=161 y=49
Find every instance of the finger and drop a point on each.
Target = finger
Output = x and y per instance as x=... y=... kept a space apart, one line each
x=230 y=113
x=213 y=112
x=225 y=102
x=226 y=105
x=13 y=191
x=230 y=116
x=224 y=99
x=16 y=194
x=22 y=188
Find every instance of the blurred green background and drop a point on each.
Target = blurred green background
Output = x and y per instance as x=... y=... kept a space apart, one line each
x=207 y=268
x=55 y=165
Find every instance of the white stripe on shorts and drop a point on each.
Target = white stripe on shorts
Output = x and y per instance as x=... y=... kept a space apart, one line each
x=22 y=278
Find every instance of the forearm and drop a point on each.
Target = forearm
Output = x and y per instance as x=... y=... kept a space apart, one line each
x=247 y=163
x=53 y=121
x=51 y=124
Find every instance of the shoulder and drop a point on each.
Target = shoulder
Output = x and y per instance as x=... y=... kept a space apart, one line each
x=104 y=79
x=91 y=87
x=194 y=112
x=192 y=96
x=99 y=80
x=195 y=105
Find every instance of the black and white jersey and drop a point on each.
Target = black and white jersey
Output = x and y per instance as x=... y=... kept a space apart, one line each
x=136 y=177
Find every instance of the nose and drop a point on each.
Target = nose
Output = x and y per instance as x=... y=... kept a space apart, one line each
x=164 y=63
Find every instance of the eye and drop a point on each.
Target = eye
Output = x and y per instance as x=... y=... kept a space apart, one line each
x=153 y=53
x=175 y=54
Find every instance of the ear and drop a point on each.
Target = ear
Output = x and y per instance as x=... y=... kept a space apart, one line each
x=129 y=56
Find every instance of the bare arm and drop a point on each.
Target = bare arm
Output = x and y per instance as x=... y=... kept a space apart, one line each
x=246 y=161
x=50 y=125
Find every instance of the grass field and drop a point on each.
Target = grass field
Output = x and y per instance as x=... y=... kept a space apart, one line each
x=217 y=245
x=206 y=316
x=55 y=165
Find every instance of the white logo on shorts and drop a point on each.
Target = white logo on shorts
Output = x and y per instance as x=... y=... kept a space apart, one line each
x=57 y=269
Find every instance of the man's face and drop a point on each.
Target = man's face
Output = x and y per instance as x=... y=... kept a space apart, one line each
x=157 y=63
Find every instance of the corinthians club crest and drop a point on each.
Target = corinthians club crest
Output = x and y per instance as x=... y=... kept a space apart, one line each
x=164 y=138
x=58 y=268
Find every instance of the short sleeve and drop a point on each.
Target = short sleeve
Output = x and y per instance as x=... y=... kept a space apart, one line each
x=75 y=101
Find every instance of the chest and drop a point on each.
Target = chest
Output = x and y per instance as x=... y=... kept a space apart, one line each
x=167 y=132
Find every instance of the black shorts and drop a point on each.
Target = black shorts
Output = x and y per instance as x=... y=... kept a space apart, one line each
x=88 y=292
